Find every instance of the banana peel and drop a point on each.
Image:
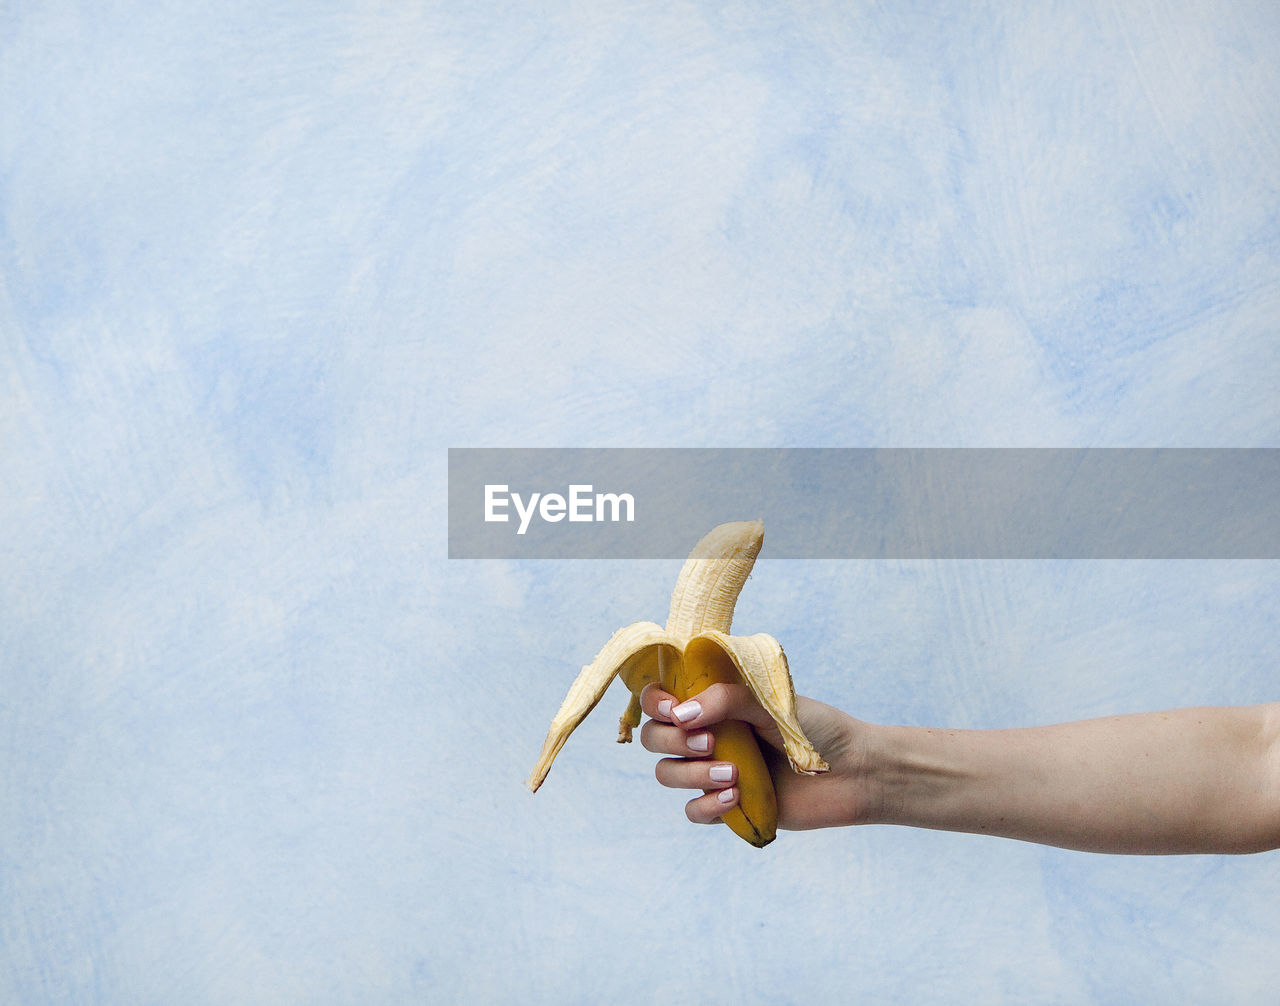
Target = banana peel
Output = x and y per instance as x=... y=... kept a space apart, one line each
x=693 y=651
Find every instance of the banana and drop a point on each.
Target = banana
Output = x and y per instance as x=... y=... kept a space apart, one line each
x=693 y=651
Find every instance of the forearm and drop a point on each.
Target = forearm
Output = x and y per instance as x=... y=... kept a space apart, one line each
x=1188 y=780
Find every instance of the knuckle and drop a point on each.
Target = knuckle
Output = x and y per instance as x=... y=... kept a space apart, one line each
x=719 y=701
x=661 y=738
x=717 y=690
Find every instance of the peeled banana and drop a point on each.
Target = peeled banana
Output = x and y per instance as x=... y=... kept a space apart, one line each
x=693 y=651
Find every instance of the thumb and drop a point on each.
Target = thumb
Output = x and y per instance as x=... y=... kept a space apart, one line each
x=717 y=703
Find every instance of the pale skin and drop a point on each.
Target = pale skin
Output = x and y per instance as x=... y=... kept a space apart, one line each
x=1199 y=780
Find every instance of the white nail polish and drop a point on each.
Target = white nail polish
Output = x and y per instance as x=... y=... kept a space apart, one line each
x=687 y=711
x=664 y=708
x=700 y=742
x=721 y=773
x=725 y=795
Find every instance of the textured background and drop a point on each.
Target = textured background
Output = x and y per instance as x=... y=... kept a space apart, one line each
x=262 y=263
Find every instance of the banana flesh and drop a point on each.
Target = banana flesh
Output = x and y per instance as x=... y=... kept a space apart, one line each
x=694 y=650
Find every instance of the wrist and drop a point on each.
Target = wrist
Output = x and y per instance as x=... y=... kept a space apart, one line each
x=873 y=776
x=910 y=776
x=858 y=754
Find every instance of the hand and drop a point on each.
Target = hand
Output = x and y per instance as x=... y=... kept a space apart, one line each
x=1199 y=780
x=834 y=798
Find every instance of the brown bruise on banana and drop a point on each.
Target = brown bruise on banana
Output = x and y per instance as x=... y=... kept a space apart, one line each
x=693 y=651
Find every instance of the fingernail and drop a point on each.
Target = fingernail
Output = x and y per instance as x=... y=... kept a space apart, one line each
x=721 y=773
x=700 y=742
x=664 y=708
x=725 y=795
x=686 y=711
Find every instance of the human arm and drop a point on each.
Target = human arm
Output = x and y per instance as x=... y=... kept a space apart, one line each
x=1182 y=781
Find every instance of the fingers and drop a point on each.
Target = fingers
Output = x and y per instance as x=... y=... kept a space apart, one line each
x=715 y=779
x=707 y=808
x=664 y=734
x=713 y=705
x=663 y=739
x=679 y=729
x=679 y=773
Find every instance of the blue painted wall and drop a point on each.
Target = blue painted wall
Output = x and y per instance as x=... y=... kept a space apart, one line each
x=261 y=264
